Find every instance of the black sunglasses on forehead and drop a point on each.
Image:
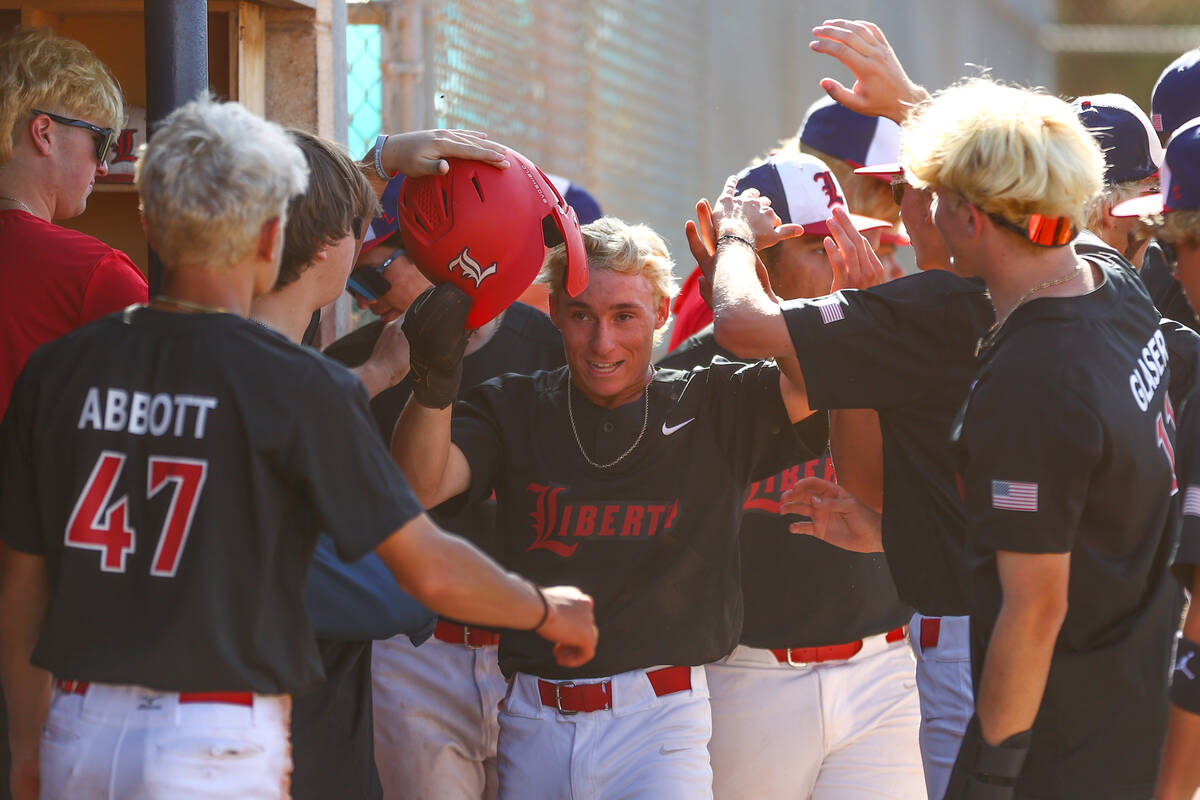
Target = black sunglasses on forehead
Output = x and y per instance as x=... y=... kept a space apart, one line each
x=104 y=136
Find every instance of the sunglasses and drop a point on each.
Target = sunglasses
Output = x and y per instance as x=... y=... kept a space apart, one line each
x=898 y=187
x=1041 y=230
x=104 y=136
x=369 y=283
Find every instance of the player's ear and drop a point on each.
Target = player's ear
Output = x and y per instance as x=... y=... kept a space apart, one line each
x=556 y=307
x=663 y=312
x=270 y=240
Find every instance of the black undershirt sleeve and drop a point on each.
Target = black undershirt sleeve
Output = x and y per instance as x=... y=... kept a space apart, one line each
x=357 y=492
x=887 y=346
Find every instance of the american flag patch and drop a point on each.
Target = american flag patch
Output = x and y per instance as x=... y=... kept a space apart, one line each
x=830 y=308
x=1156 y=120
x=1014 y=496
x=1191 y=501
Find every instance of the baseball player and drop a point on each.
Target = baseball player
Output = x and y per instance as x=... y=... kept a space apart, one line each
x=907 y=350
x=843 y=140
x=436 y=705
x=348 y=604
x=1174 y=216
x=160 y=511
x=1067 y=436
x=821 y=703
x=1172 y=103
x=625 y=478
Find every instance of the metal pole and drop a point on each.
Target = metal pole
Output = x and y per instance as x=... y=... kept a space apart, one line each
x=176 y=69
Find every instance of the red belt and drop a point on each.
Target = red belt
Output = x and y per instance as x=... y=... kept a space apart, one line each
x=570 y=698
x=931 y=631
x=473 y=638
x=232 y=698
x=799 y=656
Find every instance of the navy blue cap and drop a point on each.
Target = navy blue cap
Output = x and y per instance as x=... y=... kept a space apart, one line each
x=388 y=221
x=1180 y=178
x=802 y=190
x=1176 y=95
x=578 y=198
x=855 y=138
x=1130 y=145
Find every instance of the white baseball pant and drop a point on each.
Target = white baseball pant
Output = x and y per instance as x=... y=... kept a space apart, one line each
x=947 y=699
x=132 y=743
x=643 y=748
x=831 y=730
x=435 y=719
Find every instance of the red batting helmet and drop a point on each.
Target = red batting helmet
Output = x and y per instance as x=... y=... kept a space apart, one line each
x=486 y=230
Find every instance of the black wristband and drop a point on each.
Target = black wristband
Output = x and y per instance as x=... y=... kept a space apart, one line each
x=732 y=238
x=984 y=771
x=1185 y=683
x=545 y=607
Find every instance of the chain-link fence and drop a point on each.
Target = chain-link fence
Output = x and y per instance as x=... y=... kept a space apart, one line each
x=364 y=87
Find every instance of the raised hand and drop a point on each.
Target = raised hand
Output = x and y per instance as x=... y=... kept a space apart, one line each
x=835 y=515
x=424 y=152
x=881 y=87
x=750 y=216
x=855 y=264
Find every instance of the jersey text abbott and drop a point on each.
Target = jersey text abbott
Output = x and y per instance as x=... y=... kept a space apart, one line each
x=141 y=413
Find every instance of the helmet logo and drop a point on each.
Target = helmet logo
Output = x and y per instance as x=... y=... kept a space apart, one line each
x=470 y=267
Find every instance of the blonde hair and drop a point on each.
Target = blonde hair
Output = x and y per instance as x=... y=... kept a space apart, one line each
x=615 y=245
x=1008 y=151
x=41 y=70
x=1114 y=195
x=1176 y=228
x=211 y=177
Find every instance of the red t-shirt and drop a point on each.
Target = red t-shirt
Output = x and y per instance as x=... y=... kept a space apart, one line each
x=692 y=314
x=52 y=281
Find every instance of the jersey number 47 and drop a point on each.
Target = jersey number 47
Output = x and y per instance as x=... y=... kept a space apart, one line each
x=99 y=524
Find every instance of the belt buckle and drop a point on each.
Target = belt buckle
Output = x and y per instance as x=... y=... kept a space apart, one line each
x=467 y=639
x=558 y=687
x=792 y=663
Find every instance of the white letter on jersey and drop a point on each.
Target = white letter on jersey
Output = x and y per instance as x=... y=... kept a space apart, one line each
x=115 y=414
x=160 y=414
x=91 y=411
x=203 y=406
x=139 y=412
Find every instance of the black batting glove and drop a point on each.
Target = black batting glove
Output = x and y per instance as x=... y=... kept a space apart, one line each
x=435 y=325
x=984 y=771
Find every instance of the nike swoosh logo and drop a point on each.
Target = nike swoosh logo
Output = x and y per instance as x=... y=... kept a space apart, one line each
x=669 y=429
x=664 y=750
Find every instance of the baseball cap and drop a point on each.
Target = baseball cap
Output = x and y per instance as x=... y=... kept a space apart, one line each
x=578 y=198
x=855 y=138
x=388 y=221
x=802 y=190
x=1176 y=95
x=1180 y=178
x=885 y=171
x=1131 y=147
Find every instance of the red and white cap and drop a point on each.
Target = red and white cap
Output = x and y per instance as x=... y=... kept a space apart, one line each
x=803 y=191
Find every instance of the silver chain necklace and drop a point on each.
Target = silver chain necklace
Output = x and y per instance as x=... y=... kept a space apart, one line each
x=986 y=340
x=24 y=207
x=632 y=447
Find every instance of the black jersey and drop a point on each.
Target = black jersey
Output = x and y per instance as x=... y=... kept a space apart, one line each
x=1068 y=438
x=653 y=539
x=173 y=470
x=525 y=342
x=844 y=596
x=1158 y=274
x=907 y=350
